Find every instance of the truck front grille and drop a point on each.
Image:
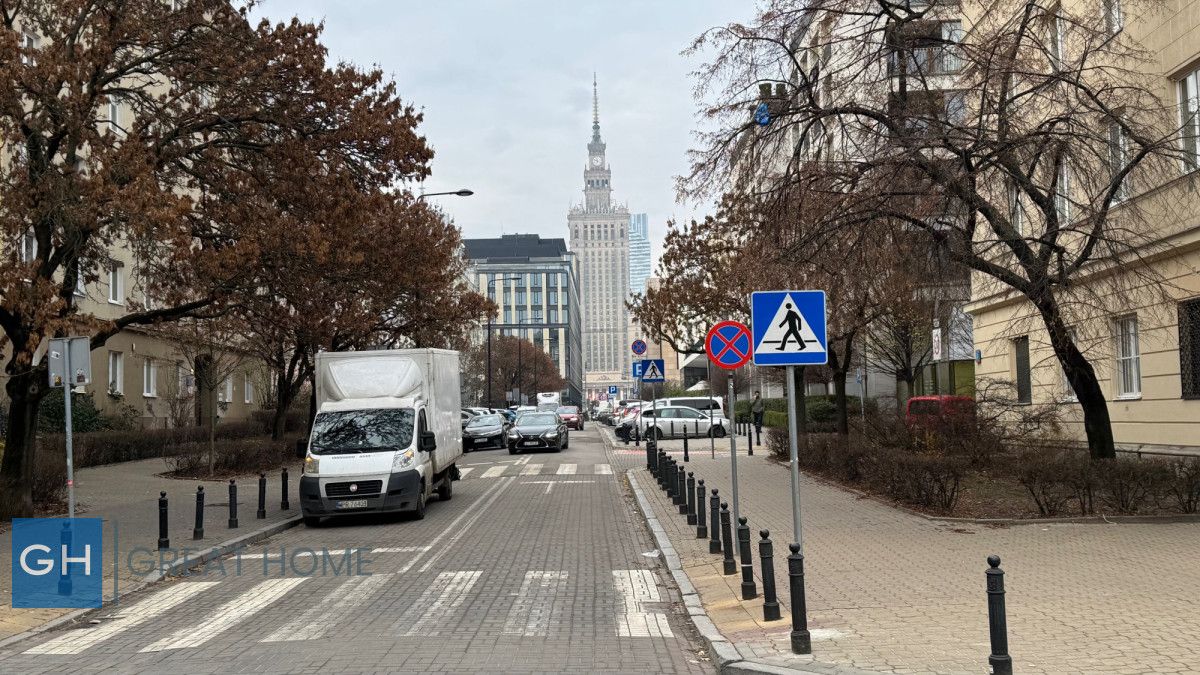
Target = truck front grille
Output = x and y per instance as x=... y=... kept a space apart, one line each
x=363 y=488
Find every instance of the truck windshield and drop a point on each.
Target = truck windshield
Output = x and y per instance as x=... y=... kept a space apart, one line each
x=375 y=430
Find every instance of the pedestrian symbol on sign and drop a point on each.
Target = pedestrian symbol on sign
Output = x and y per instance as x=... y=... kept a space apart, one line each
x=789 y=327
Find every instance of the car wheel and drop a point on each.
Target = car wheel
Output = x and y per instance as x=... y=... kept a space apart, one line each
x=312 y=521
x=512 y=449
x=446 y=491
x=718 y=431
x=419 y=511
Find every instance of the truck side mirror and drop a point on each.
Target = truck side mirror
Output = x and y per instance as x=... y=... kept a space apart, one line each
x=427 y=442
x=301 y=447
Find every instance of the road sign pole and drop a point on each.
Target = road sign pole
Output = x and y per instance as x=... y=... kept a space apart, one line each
x=733 y=454
x=67 y=386
x=800 y=636
x=794 y=456
x=712 y=437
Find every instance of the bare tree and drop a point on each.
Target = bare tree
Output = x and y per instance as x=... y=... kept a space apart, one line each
x=210 y=350
x=1015 y=136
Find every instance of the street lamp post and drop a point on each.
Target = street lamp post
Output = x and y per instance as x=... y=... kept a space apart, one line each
x=457 y=193
x=489 y=335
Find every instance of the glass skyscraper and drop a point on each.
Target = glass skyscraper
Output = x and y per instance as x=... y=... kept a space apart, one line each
x=639 y=252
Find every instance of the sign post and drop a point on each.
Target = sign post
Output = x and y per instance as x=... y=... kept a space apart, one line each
x=728 y=345
x=69 y=364
x=789 y=329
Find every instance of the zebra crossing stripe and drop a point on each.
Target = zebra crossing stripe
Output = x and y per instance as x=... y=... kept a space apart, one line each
x=462 y=473
x=531 y=612
x=603 y=469
x=443 y=596
x=566 y=469
x=494 y=472
x=335 y=608
x=531 y=470
x=76 y=641
x=221 y=619
x=637 y=587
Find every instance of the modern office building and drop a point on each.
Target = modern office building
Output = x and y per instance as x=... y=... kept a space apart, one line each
x=600 y=238
x=640 y=266
x=534 y=284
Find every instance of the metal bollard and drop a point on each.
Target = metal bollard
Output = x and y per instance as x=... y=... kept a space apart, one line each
x=284 y=503
x=669 y=481
x=758 y=435
x=262 y=496
x=730 y=567
x=637 y=435
x=701 y=522
x=750 y=438
x=198 y=530
x=681 y=491
x=691 y=498
x=163 y=541
x=999 y=660
x=649 y=459
x=714 y=507
x=233 y=523
x=770 y=601
x=686 y=456
x=801 y=639
x=749 y=590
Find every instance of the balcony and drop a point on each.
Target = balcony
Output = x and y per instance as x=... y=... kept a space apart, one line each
x=928 y=61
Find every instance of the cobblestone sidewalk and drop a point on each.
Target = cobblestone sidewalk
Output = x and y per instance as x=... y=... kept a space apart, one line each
x=126 y=495
x=894 y=592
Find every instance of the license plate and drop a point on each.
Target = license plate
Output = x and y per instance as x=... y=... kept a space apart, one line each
x=529 y=443
x=352 y=504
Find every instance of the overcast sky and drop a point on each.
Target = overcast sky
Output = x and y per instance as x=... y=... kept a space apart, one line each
x=506 y=87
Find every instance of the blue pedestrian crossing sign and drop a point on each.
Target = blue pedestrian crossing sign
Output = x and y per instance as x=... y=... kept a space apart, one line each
x=788 y=328
x=652 y=370
x=612 y=390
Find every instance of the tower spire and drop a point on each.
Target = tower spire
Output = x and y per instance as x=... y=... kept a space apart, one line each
x=595 y=110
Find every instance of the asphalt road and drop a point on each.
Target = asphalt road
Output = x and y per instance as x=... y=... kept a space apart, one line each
x=537 y=564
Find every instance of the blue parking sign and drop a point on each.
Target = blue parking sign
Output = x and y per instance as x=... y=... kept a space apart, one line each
x=56 y=562
x=612 y=390
x=788 y=328
x=637 y=370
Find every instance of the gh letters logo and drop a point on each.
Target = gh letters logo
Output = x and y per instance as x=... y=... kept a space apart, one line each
x=56 y=562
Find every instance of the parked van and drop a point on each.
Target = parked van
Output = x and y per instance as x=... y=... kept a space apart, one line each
x=387 y=433
x=701 y=403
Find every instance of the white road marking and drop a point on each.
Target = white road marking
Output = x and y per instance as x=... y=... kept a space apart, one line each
x=475 y=513
x=400 y=549
x=551 y=483
x=462 y=473
x=530 y=615
x=566 y=469
x=453 y=526
x=336 y=608
x=531 y=470
x=221 y=619
x=443 y=596
x=603 y=469
x=637 y=587
x=78 y=640
x=494 y=472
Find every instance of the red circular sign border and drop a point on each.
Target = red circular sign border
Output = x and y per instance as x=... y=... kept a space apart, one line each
x=743 y=328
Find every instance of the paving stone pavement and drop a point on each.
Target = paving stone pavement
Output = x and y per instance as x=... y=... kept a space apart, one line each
x=894 y=592
x=546 y=571
x=125 y=496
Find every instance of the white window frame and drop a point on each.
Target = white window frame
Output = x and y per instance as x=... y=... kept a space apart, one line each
x=80 y=283
x=1127 y=375
x=29 y=41
x=1056 y=36
x=1189 y=118
x=1118 y=157
x=116 y=372
x=114 y=114
x=247 y=389
x=225 y=394
x=1062 y=195
x=1016 y=211
x=116 y=286
x=149 y=378
x=28 y=246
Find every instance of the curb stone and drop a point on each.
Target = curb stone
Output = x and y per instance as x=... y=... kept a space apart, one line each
x=174 y=569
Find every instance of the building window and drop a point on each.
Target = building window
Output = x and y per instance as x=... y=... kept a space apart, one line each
x=1020 y=347
x=1114 y=21
x=1062 y=195
x=29 y=42
x=1129 y=357
x=29 y=247
x=1016 y=213
x=225 y=393
x=1189 y=112
x=1118 y=156
x=1189 y=347
x=1068 y=391
x=1055 y=39
x=116 y=373
x=248 y=388
x=149 y=378
x=80 y=284
x=116 y=285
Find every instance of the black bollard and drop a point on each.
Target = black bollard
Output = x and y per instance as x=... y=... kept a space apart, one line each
x=669 y=481
x=637 y=434
x=686 y=456
x=262 y=496
x=681 y=490
x=284 y=503
x=163 y=541
x=691 y=498
x=770 y=601
x=758 y=435
x=730 y=566
x=198 y=530
x=801 y=639
x=233 y=523
x=701 y=522
x=714 y=511
x=999 y=660
x=649 y=460
x=749 y=439
x=749 y=591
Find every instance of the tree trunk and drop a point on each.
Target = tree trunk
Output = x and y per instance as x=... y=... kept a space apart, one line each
x=285 y=395
x=212 y=432
x=312 y=400
x=25 y=393
x=1079 y=371
x=840 y=366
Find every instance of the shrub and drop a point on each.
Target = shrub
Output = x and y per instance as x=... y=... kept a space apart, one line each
x=1182 y=481
x=924 y=480
x=85 y=416
x=232 y=456
x=1044 y=472
x=49 y=480
x=777 y=443
x=1127 y=483
x=108 y=447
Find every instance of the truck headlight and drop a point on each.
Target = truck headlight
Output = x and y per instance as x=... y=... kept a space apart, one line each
x=311 y=464
x=403 y=460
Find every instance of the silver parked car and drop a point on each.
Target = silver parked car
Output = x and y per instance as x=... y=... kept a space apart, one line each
x=484 y=431
x=671 y=422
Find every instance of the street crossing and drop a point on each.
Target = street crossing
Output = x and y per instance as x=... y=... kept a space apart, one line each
x=563 y=469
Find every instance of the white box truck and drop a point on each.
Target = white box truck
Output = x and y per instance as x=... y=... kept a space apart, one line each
x=387 y=433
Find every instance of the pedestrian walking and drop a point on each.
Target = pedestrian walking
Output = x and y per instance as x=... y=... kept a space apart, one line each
x=758 y=408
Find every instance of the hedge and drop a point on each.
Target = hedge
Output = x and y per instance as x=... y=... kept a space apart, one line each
x=110 y=447
x=821 y=411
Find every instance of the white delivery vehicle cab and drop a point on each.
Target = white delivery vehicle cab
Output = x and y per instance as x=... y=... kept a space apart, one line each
x=548 y=401
x=386 y=435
